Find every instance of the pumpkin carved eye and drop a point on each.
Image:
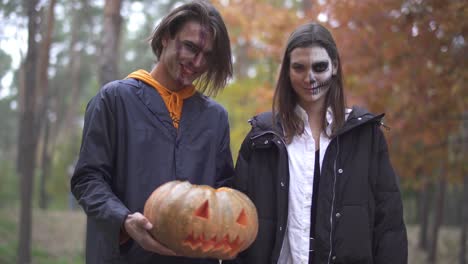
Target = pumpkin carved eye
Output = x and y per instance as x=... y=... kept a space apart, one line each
x=203 y=211
x=242 y=218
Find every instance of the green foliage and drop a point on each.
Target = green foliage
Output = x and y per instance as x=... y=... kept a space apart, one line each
x=8 y=7
x=8 y=184
x=58 y=184
x=242 y=101
x=135 y=49
x=9 y=124
x=5 y=63
x=9 y=245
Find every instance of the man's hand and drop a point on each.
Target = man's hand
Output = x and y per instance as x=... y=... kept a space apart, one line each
x=137 y=227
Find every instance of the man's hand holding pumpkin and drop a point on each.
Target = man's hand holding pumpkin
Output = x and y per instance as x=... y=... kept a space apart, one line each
x=137 y=226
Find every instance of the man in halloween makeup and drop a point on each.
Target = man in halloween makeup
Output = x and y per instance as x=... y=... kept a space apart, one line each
x=151 y=128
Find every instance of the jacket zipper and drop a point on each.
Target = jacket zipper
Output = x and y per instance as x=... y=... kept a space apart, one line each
x=333 y=200
x=334 y=186
x=176 y=148
x=284 y=144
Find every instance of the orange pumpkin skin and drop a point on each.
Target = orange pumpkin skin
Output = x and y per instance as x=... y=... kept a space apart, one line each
x=202 y=222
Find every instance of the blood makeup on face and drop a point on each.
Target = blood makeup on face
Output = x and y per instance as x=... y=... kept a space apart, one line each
x=188 y=54
x=179 y=48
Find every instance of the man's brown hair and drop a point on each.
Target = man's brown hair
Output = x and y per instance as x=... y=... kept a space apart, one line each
x=220 y=66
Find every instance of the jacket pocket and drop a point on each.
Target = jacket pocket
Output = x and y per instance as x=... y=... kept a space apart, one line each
x=353 y=235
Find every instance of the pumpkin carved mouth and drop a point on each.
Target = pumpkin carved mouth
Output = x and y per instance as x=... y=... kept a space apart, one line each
x=201 y=222
x=225 y=245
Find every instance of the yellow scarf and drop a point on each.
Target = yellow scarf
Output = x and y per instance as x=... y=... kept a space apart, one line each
x=174 y=101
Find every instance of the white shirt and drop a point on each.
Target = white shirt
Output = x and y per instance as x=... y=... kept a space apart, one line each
x=301 y=153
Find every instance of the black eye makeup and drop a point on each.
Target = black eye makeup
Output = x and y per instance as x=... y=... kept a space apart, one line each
x=320 y=66
x=191 y=47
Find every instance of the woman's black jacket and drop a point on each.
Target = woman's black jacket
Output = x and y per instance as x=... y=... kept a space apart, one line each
x=359 y=213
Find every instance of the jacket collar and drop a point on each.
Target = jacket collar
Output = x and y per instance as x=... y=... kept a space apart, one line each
x=328 y=116
x=153 y=101
x=263 y=123
x=356 y=116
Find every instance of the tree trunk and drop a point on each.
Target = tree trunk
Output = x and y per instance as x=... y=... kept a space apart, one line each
x=439 y=213
x=108 y=60
x=424 y=209
x=43 y=102
x=43 y=62
x=463 y=205
x=27 y=140
x=45 y=165
x=464 y=222
x=66 y=123
x=242 y=60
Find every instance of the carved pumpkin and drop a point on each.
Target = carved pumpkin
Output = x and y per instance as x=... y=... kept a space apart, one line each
x=201 y=222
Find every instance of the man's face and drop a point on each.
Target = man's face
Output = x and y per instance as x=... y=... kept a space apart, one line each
x=187 y=56
x=310 y=72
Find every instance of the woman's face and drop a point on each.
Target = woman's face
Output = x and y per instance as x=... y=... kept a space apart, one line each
x=310 y=72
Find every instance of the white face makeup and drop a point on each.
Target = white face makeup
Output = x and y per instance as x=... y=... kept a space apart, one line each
x=310 y=71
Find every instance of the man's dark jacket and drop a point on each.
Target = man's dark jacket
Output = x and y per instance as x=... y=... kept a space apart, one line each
x=359 y=213
x=129 y=148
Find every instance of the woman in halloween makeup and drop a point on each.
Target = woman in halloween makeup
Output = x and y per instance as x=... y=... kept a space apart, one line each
x=319 y=173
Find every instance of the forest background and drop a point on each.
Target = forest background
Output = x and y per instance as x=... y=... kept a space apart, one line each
x=406 y=58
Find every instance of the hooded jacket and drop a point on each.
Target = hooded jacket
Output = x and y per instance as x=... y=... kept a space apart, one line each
x=359 y=207
x=129 y=148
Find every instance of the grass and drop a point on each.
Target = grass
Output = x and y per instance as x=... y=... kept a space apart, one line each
x=448 y=246
x=58 y=238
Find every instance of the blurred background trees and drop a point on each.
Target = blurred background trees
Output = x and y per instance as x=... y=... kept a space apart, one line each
x=407 y=58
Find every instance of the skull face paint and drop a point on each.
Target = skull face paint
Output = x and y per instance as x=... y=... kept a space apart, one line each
x=186 y=56
x=317 y=87
x=311 y=70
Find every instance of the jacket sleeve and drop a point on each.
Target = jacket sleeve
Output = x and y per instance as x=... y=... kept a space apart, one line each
x=224 y=166
x=92 y=179
x=240 y=183
x=390 y=238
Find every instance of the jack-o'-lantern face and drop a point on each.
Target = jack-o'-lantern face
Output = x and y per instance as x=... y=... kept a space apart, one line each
x=199 y=221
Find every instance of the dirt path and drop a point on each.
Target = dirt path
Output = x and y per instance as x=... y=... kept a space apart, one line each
x=55 y=235
x=61 y=232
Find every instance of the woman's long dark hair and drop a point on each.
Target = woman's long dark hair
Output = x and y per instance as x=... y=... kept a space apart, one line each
x=285 y=99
